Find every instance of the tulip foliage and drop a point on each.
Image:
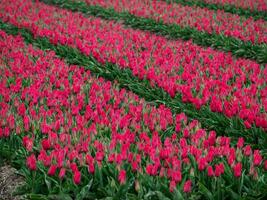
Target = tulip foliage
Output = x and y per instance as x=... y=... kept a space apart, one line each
x=73 y=134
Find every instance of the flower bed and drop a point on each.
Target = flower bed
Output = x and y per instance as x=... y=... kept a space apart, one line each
x=79 y=131
x=202 y=19
x=260 y=5
x=235 y=87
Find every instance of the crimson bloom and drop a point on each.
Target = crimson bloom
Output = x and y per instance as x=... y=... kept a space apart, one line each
x=172 y=186
x=46 y=144
x=52 y=170
x=237 y=169
x=219 y=169
x=62 y=173
x=247 y=150
x=187 y=186
x=77 y=177
x=240 y=142
x=257 y=158
x=210 y=171
x=27 y=143
x=122 y=176
x=31 y=162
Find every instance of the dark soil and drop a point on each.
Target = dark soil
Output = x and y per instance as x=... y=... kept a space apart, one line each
x=9 y=181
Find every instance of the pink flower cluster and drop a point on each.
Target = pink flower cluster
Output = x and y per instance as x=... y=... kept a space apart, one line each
x=202 y=19
x=235 y=87
x=260 y=5
x=69 y=120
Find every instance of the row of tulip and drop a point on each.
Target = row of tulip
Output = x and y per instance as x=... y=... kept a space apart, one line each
x=260 y=5
x=223 y=125
x=235 y=87
x=237 y=47
x=202 y=19
x=81 y=133
x=229 y=6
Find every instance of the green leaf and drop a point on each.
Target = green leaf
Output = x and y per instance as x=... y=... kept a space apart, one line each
x=205 y=192
x=85 y=191
x=154 y=194
x=36 y=197
x=177 y=194
x=233 y=194
x=60 y=197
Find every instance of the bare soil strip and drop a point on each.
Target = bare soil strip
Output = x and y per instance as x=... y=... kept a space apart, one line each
x=9 y=181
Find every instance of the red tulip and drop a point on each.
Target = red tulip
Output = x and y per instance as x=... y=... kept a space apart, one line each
x=201 y=164
x=176 y=176
x=257 y=158
x=122 y=176
x=91 y=168
x=219 y=169
x=62 y=173
x=237 y=169
x=187 y=186
x=247 y=150
x=172 y=186
x=31 y=162
x=52 y=170
x=210 y=171
x=77 y=177
x=46 y=144
x=27 y=143
x=240 y=142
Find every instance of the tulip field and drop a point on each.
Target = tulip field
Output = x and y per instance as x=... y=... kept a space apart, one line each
x=134 y=99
